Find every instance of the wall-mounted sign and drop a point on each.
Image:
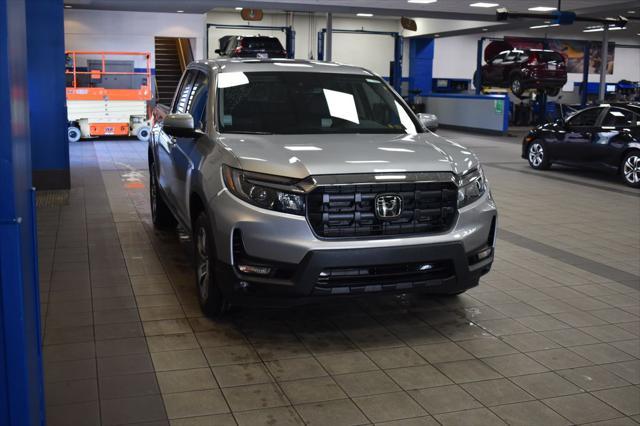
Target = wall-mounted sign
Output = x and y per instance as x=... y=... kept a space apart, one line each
x=408 y=24
x=252 y=14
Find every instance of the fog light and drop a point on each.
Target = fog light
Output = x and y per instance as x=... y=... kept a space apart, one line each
x=484 y=254
x=255 y=270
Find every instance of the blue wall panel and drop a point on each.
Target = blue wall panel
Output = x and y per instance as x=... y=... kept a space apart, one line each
x=45 y=42
x=21 y=394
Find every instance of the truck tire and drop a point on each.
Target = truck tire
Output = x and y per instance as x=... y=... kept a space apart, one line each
x=143 y=134
x=161 y=215
x=73 y=134
x=211 y=299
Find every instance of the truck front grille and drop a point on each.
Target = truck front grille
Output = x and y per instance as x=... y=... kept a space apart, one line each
x=343 y=211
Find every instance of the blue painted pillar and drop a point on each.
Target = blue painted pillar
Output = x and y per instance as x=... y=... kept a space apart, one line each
x=48 y=114
x=21 y=395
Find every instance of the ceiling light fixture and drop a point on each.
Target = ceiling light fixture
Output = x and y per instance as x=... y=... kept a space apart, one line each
x=544 y=26
x=483 y=4
x=365 y=15
x=238 y=8
x=485 y=29
x=422 y=1
x=67 y=6
x=631 y=12
x=180 y=11
x=600 y=28
x=542 y=9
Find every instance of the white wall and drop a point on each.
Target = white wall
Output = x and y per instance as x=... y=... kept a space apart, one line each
x=370 y=51
x=455 y=57
x=98 y=30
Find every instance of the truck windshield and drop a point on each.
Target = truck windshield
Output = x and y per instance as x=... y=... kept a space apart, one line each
x=309 y=103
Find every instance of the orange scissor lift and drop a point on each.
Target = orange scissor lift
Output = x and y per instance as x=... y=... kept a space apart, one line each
x=93 y=110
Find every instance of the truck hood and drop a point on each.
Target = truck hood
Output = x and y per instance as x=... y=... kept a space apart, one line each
x=299 y=156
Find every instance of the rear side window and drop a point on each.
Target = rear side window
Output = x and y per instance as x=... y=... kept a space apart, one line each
x=498 y=59
x=585 y=118
x=617 y=117
x=546 y=57
x=257 y=43
x=182 y=95
x=197 y=104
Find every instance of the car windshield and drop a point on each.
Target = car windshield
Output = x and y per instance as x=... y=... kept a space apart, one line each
x=309 y=103
x=258 y=43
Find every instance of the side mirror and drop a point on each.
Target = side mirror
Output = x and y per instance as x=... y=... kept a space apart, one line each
x=218 y=51
x=179 y=125
x=560 y=121
x=428 y=121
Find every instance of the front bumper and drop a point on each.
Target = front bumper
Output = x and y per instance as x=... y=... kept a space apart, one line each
x=286 y=242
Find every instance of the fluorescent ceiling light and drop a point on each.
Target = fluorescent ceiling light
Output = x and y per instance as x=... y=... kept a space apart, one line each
x=238 y=8
x=544 y=26
x=542 y=9
x=598 y=29
x=422 y=1
x=302 y=148
x=180 y=11
x=365 y=15
x=67 y=6
x=483 y=4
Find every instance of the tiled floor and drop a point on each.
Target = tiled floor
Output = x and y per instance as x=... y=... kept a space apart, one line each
x=550 y=337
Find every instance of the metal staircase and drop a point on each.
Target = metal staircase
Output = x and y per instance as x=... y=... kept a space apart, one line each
x=172 y=56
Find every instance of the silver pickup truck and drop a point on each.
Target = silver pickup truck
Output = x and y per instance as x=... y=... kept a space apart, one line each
x=304 y=180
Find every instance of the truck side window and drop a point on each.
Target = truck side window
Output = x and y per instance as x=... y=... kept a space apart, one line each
x=180 y=103
x=197 y=103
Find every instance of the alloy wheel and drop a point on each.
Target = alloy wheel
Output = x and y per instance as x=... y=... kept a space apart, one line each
x=536 y=154
x=515 y=86
x=203 y=263
x=631 y=169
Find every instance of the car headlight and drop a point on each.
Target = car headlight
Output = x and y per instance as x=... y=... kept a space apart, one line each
x=266 y=191
x=137 y=119
x=471 y=187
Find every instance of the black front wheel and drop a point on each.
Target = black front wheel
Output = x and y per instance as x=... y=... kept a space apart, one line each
x=210 y=296
x=538 y=156
x=630 y=169
x=554 y=91
x=161 y=216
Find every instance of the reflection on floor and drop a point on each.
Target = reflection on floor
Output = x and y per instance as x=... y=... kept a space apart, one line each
x=551 y=336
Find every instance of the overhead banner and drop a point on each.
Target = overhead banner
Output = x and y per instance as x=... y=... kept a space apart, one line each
x=572 y=50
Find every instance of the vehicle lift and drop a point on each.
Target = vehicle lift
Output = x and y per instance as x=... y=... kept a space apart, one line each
x=396 y=65
x=93 y=110
x=290 y=35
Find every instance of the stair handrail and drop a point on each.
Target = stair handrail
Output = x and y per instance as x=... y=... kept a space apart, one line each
x=185 y=55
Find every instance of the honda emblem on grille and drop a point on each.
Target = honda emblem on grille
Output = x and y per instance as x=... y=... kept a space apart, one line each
x=388 y=206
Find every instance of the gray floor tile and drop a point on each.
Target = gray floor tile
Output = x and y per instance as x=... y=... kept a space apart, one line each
x=295 y=369
x=342 y=412
x=252 y=397
x=390 y=406
x=130 y=385
x=312 y=390
x=496 y=392
x=626 y=400
x=582 y=408
x=132 y=410
x=366 y=383
x=241 y=374
x=474 y=417
x=185 y=380
x=418 y=377
x=468 y=371
x=531 y=413
x=445 y=399
x=195 y=403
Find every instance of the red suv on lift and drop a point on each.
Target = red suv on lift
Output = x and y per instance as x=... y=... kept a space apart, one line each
x=525 y=69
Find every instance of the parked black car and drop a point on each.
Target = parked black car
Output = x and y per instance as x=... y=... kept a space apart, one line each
x=261 y=47
x=520 y=70
x=605 y=137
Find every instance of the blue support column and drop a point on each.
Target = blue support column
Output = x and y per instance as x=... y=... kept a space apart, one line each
x=21 y=389
x=478 y=73
x=585 y=74
x=397 y=62
x=420 y=65
x=321 y=45
x=48 y=114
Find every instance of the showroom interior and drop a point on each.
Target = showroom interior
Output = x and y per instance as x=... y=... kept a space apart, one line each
x=319 y=212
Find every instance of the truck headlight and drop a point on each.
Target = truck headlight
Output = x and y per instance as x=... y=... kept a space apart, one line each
x=471 y=187
x=266 y=191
